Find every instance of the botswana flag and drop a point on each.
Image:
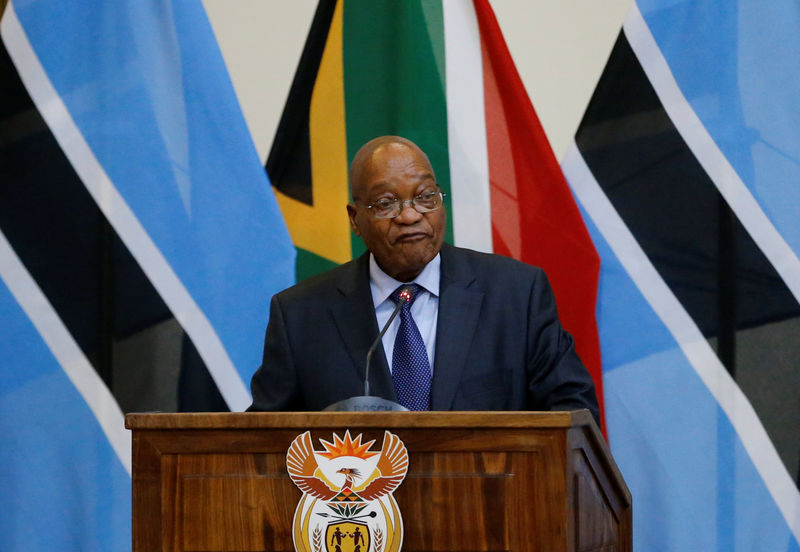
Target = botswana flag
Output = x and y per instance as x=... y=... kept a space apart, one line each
x=687 y=165
x=438 y=73
x=139 y=245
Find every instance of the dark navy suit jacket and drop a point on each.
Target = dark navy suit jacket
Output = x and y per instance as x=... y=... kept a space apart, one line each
x=499 y=343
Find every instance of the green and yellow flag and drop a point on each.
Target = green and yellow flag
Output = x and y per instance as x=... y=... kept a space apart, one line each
x=440 y=74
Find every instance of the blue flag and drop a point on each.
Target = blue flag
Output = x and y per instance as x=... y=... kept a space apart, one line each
x=686 y=167
x=140 y=243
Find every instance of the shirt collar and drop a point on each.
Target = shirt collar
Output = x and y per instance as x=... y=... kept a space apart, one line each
x=382 y=285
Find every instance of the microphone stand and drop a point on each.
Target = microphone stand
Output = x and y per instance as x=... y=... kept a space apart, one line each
x=375 y=345
x=365 y=402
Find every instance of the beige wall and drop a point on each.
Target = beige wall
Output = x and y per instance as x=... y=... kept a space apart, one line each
x=559 y=46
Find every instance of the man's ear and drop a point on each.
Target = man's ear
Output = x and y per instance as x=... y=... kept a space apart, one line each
x=351 y=214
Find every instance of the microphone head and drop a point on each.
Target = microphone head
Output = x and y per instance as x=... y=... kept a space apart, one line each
x=406 y=294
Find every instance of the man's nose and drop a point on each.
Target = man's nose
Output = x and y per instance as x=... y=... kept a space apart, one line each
x=408 y=214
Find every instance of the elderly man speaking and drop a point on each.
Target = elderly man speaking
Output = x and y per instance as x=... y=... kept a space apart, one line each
x=475 y=331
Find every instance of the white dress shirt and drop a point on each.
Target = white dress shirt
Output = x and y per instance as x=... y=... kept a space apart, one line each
x=424 y=310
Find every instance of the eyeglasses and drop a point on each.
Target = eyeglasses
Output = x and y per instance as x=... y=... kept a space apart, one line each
x=387 y=208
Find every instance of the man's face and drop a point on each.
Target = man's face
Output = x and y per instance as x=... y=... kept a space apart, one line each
x=405 y=244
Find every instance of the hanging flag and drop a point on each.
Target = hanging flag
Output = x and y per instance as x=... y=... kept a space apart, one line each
x=686 y=165
x=439 y=74
x=140 y=243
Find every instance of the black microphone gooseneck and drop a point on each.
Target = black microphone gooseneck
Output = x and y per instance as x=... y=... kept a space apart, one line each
x=405 y=297
x=365 y=403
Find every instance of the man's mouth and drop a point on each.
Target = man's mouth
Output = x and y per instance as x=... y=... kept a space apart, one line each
x=411 y=237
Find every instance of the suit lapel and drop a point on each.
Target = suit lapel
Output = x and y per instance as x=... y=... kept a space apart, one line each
x=459 y=308
x=354 y=315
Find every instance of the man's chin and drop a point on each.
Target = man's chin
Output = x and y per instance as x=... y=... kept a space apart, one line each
x=412 y=263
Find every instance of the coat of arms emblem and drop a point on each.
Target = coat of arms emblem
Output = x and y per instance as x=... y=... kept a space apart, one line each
x=347 y=503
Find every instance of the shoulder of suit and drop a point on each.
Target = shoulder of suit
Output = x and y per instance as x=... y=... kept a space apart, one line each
x=497 y=265
x=317 y=287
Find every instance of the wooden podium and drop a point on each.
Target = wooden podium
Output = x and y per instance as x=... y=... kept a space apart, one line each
x=493 y=481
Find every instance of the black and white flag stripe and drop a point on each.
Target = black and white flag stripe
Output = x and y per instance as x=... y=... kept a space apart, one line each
x=706 y=286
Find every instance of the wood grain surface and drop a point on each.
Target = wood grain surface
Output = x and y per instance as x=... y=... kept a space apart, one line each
x=476 y=481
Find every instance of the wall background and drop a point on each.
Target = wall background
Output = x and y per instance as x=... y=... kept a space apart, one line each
x=559 y=46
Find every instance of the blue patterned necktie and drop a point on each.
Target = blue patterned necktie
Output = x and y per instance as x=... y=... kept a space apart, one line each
x=411 y=371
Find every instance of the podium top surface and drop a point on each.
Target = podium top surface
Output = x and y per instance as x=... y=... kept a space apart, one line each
x=255 y=420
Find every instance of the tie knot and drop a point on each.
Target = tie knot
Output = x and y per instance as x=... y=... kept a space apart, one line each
x=413 y=291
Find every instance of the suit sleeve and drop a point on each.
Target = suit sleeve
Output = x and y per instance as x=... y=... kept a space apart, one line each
x=274 y=385
x=557 y=379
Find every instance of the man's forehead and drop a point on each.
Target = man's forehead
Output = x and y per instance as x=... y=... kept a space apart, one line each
x=384 y=164
x=384 y=157
x=380 y=174
x=397 y=154
x=379 y=185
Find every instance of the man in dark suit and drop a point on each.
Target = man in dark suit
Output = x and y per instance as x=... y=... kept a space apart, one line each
x=486 y=334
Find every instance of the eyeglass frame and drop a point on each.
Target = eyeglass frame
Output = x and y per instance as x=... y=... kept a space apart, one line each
x=403 y=203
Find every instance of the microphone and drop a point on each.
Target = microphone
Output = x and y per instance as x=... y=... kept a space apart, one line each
x=405 y=297
x=366 y=402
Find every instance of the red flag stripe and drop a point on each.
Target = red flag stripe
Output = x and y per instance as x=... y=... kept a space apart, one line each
x=534 y=216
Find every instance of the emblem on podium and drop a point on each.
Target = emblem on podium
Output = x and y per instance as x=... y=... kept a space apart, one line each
x=347 y=503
